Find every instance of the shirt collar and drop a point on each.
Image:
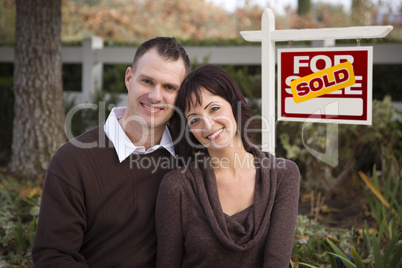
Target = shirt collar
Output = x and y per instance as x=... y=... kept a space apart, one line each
x=123 y=145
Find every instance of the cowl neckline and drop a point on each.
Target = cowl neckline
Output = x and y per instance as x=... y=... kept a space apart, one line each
x=231 y=233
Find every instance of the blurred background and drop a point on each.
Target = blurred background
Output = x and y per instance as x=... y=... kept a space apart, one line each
x=355 y=204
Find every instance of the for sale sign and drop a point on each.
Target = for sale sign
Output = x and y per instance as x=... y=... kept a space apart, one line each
x=329 y=85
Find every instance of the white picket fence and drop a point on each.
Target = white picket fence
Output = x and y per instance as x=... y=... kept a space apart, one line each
x=93 y=54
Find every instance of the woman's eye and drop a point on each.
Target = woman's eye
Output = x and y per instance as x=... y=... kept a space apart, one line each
x=193 y=120
x=215 y=108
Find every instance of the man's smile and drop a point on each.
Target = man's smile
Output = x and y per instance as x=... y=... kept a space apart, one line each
x=151 y=108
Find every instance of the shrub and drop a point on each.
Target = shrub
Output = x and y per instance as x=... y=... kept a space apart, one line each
x=360 y=147
x=19 y=209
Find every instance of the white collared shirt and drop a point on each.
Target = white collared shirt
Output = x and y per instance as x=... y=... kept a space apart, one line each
x=123 y=145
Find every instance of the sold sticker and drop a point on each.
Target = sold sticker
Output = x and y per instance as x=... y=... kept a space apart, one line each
x=323 y=82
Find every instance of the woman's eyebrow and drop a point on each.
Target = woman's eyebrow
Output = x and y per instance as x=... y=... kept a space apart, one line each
x=204 y=108
x=189 y=115
x=209 y=104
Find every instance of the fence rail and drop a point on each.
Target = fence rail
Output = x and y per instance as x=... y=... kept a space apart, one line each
x=92 y=55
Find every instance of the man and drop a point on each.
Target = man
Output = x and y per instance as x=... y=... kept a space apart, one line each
x=99 y=195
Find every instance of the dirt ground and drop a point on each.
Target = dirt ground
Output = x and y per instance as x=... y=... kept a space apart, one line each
x=346 y=208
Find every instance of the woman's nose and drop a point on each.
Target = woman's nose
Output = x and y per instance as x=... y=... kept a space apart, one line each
x=208 y=123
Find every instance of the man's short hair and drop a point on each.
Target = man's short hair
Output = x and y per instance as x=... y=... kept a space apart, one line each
x=167 y=47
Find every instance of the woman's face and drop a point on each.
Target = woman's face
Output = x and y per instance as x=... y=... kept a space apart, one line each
x=212 y=123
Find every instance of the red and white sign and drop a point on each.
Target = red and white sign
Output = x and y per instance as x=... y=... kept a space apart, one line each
x=348 y=105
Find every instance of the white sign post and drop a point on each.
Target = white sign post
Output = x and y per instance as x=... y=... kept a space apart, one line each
x=268 y=36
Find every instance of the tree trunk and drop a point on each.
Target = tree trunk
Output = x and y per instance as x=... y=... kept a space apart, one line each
x=39 y=111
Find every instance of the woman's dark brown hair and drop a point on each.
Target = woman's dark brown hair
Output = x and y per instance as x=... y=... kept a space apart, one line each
x=217 y=81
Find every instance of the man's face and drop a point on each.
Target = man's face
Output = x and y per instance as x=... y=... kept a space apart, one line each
x=152 y=89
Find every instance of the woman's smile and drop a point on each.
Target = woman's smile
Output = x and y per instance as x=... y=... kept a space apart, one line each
x=215 y=134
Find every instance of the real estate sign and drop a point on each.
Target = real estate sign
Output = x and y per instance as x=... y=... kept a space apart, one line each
x=328 y=85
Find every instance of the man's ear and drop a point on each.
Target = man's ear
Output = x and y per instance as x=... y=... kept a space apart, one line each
x=128 y=77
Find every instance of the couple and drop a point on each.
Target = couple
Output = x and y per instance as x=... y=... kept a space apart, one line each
x=234 y=206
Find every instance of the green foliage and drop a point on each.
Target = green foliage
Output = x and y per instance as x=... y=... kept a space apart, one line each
x=72 y=77
x=386 y=208
x=248 y=79
x=113 y=78
x=196 y=22
x=7 y=21
x=89 y=116
x=346 y=261
x=309 y=244
x=82 y=117
x=359 y=147
x=386 y=80
x=388 y=257
x=19 y=209
x=385 y=248
x=385 y=134
x=303 y=7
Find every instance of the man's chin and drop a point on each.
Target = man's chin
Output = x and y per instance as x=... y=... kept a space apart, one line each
x=157 y=121
x=155 y=124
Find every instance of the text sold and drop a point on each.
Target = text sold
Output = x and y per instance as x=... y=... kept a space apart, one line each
x=323 y=82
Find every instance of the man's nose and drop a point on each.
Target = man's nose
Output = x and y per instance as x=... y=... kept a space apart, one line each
x=156 y=94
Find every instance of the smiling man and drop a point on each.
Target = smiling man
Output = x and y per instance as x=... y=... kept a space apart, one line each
x=152 y=83
x=98 y=208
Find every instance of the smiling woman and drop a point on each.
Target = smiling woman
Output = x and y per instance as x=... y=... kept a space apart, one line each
x=212 y=122
x=206 y=95
x=234 y=205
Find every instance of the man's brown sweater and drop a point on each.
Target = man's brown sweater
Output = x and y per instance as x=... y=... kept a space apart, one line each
x=96 y=211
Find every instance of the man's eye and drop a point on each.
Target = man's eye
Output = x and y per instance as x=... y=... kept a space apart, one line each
x=169 y=87
x=193 y=120
x=147 y=81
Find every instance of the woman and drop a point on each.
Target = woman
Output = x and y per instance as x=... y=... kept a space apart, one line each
x=234 y=205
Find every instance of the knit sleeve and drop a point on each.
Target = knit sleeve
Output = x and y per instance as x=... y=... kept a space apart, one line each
x=61 y=225
x=169 y=222
x=278 y=249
